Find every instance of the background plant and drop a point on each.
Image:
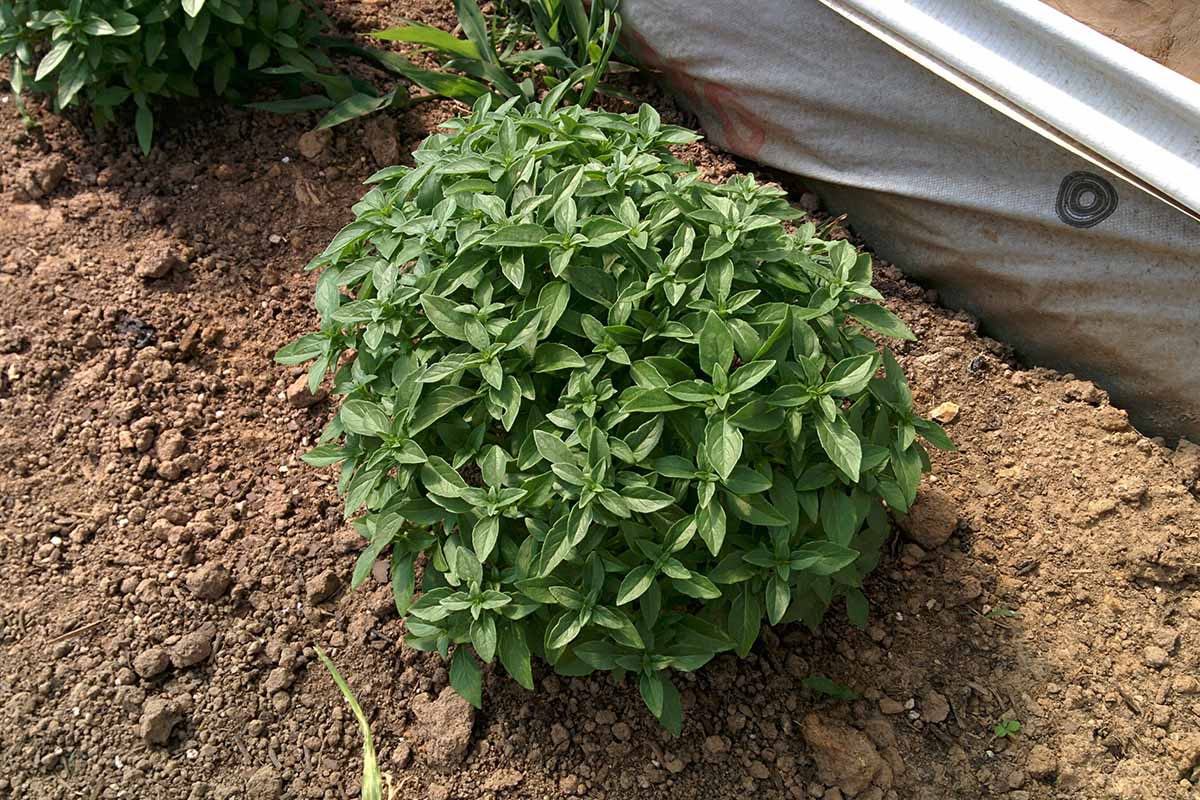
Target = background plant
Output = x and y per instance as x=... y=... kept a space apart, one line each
x=529 y=44
x=114 y=53
x=625 y=414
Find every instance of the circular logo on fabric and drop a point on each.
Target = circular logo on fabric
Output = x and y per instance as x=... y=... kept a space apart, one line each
x=1085 y=199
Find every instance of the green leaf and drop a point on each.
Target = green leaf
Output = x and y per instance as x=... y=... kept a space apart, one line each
x=466 y=678
x=483 y=637
x=523 y=235
x=635 y=584
x=442 y=314
x=484 y=536
x=645 y=500
x=514 y=655
x=748 y=376
x=143 y=123
x=437 y=404
x=880 y=320
x=53 y=58
x=364 y=417
x=650 y=684
x=723 y=445
x=823 y=558
x=716 y=344
x=436 y=38
x=842 y=446
x=823 y=685
x=192 y=7
x=372 y=781
x=745 y=619
x=552 y=356
x=857 y=608
x=850 y=375
x=355 y=106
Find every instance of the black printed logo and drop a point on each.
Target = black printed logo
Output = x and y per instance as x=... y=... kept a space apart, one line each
x=1085 y=199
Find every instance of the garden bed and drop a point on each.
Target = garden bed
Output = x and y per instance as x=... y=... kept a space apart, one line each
x=169 y=562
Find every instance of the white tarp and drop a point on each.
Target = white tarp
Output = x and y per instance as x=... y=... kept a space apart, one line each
x=1037 y=173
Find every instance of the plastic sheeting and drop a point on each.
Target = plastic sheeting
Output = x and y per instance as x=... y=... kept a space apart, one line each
x=1036 y=173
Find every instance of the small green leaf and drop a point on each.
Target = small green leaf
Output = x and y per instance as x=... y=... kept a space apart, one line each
x=880 y=320
x=466 y=678
x=716 y=344
x=364 y=417
x=723 y=445
x=842 y=446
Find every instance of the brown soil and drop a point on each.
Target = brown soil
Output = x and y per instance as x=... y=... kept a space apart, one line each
x=168 y=562
x=1167 y=31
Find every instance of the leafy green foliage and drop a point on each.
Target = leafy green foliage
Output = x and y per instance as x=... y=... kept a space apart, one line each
x=555 y=41
x=115 y=53
x=624 y=413
x=1006 y=729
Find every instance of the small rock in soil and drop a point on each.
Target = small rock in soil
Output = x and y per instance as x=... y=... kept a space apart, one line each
x=1156 y=657
x=313 y=143
x=298 y=395
x=503 y=779
x=380 y=133
x=1185 y=750
x=1187 y=460
x=152 y=662
x=156 y=264
x=42 y=178
x=191 y=649
x=170 y=445
x=279 y=680
x=1042 y=763
x=1083 y=391
x=443 y=728
x=931 y=520
x=715 y=746
x=889 y=706
x=159 y=717
x=320 y=588
x=945 y=413
x=845 y=756
x=264 y=784
x=934 y=707
x=210 y=581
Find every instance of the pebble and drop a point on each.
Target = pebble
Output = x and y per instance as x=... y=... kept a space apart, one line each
x=151 y=663
x=945 y=412
x=312 y=144
x=932 y=519
x=298 y=395
x=264 y=784
x=934 y=707
x=321 y=587
x=845 y=756
x=280 y=679
x=1042 y=764
x=159 y=717
x=889 y=706
x=210 y=581
x=191 y=649
x=156 y=264
x=442 y=728
x=1155 y=657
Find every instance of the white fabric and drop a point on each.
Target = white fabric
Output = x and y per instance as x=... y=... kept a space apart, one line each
x=1004 y=221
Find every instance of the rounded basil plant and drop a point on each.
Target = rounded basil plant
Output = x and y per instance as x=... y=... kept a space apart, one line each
x=616 y=416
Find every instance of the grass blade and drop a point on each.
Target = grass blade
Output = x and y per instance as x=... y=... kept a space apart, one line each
x=372 y=782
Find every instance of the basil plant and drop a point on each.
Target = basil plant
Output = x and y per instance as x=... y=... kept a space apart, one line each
x=613 y=416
